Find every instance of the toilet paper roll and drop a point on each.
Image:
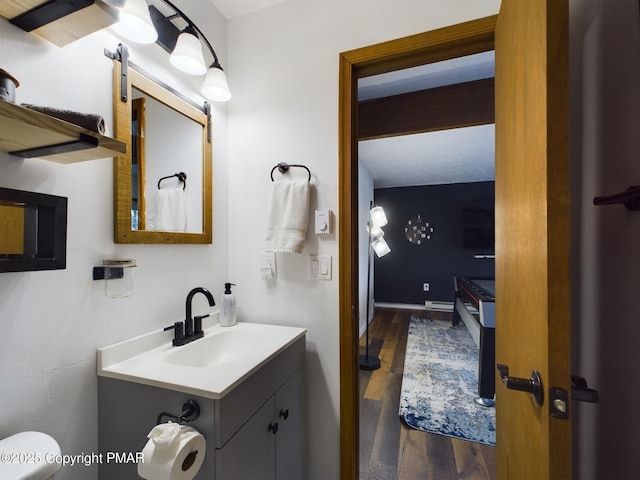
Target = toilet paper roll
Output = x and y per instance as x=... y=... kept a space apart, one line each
x=180 y=460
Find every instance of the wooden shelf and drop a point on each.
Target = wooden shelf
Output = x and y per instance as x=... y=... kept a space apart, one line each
x=69 y=28
x=22 y=129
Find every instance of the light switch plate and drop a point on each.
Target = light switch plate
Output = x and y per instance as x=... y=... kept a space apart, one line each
x=320 y=267
x=268 y=265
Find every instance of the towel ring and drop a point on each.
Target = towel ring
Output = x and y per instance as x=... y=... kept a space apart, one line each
x=182 y=177
x=284 y=168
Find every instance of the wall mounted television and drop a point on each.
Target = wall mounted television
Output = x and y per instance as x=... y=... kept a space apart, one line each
x=34 y=231
x=478 y=227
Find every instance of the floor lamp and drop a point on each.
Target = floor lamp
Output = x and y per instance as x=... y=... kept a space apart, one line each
x=376 y=242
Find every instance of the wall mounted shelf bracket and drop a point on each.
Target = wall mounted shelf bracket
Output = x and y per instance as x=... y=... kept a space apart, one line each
x=48 y=12
x=83 y=143
x=629 y=198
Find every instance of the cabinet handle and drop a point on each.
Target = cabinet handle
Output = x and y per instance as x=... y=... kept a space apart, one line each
x=284 y=413
x=273 y=428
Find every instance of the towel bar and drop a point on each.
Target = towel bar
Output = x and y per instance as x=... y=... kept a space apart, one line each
x=284 y=168
x=181 y=176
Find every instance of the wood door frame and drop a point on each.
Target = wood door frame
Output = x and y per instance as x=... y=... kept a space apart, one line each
x=437 y=45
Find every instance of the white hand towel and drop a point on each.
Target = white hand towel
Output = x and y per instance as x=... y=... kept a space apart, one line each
x=288 y=216
x=171 y=215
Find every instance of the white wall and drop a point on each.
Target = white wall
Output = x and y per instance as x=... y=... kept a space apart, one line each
x=605 y=120
x=283 y=71
x=53 y=321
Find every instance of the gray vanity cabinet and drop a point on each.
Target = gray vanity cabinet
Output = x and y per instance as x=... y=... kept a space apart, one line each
x=239 y=441
x=269 y=445
x=289 y=439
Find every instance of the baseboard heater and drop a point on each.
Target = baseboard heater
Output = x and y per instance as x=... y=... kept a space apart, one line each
x=428 y=305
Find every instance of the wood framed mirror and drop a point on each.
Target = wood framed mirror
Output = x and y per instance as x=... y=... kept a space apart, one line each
x=163 y=184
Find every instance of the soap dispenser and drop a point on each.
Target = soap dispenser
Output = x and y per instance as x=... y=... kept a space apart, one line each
x=228 y=311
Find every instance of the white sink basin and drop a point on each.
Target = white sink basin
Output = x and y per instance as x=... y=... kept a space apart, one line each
x=218 y=348
x=209 y=367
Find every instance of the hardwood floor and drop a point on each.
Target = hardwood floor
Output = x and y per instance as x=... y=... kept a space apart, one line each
x=389 y=449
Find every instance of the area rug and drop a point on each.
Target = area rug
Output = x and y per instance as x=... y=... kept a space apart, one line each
x=440 y=381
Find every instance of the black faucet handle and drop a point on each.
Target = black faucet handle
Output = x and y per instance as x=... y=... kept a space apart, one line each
x=197 y=323
x=179 y=330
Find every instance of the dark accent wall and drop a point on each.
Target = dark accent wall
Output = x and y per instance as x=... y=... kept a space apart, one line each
x=400 y=275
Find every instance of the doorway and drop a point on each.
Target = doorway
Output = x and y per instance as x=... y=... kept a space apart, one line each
x=443 y=44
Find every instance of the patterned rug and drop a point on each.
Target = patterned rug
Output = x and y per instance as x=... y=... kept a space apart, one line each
x=439 y=383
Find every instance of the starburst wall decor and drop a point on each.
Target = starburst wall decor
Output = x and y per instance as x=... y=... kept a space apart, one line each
x=417 y=230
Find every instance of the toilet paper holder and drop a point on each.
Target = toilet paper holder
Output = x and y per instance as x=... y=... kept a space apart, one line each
x=190 y=411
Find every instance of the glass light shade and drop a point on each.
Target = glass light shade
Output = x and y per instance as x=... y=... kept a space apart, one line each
x=381 y=247
x=187 y=55
x=135 y=22
x=215 y=86
x=375 y=232
x=378 y=218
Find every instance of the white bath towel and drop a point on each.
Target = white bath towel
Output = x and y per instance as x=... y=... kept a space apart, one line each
x=171 y=215
x=288 y=216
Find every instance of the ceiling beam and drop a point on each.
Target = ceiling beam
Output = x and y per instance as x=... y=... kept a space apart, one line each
x=452 y=106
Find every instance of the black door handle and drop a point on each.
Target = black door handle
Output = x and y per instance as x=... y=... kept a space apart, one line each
x=532 y=385
x=581 y=392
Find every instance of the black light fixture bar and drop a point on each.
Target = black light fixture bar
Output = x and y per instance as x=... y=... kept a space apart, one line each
x=168 y=33
x=48 y=12
x=167 y=37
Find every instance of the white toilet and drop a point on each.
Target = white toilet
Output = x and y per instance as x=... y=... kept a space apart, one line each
x=29 y=456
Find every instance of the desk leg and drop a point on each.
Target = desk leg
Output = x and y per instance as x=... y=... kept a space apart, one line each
x=486 y=370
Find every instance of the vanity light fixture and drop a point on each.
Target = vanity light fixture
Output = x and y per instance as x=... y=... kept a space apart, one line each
x=187 y=55
x=135 y=22
x=184 y=46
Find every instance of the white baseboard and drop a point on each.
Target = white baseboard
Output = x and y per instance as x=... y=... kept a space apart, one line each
x=428 y=305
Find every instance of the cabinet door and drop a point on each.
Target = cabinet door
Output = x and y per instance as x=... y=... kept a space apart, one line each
x=289 y=440
x=250 y=454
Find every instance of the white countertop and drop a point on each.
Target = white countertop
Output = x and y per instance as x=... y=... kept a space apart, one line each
x=208 y=367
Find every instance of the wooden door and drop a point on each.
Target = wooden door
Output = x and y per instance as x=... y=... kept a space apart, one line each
x=532 y=234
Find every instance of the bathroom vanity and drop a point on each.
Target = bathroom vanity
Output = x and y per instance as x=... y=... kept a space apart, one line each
x=249 y=398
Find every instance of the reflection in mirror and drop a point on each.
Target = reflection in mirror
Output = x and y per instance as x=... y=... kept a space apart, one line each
x=34 y=231
x=155 y=157
x=165 y=135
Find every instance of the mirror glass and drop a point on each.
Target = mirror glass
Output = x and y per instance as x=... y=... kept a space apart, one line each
x=163 y=183
x=158 y=160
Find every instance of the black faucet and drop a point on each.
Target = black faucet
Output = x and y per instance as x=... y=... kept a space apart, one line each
x=191 y=328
